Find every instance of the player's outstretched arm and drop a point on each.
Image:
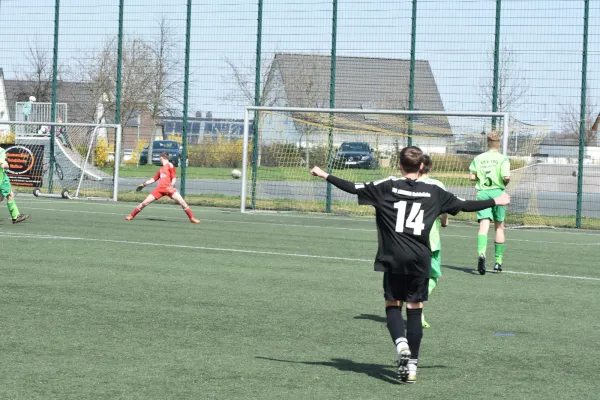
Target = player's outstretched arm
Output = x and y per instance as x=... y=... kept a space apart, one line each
x=453 y=205
x=472 y=176
x=342 y=184
x=478 y=205
x=143 y=185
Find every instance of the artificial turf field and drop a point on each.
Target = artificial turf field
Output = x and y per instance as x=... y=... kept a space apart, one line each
x=279 y=306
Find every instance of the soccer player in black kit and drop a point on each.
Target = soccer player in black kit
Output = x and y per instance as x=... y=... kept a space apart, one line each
x=405 y=212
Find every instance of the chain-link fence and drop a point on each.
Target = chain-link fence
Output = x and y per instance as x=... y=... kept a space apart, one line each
x=184 y=70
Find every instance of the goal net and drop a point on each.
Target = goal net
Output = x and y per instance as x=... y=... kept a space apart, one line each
x=79 y=163
x=364 y=146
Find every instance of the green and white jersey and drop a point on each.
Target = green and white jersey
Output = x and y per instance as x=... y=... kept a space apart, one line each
x=2 y=159
x=490 y=167
x=434 y=236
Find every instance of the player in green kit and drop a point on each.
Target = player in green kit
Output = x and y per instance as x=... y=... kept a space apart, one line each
x=434 y=236
x=491 y=170
x=6 y=191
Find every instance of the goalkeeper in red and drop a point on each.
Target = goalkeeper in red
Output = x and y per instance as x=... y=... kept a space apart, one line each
x=166 y=181
x=491 y=170
x=6 y=191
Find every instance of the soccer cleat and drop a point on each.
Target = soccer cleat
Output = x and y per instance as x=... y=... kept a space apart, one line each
x=423 y=322
x=20 y=218
x=412 y=371
x=403 y=357
x=497 y=267
x=194 y=220
x=129 y=218
x=481 y=265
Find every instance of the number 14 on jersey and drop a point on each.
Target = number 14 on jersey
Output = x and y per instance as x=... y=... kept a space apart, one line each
x=414 y=220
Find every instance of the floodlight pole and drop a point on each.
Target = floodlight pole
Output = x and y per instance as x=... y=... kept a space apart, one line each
x=582 y=121
x=496 y=62
x=331 y=102
x=186 y=86
x=53 y=104
x=256 y=122
x=411 y=83
x=119 y=65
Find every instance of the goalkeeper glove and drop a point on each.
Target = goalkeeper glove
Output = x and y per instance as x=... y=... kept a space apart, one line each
x=140 y=187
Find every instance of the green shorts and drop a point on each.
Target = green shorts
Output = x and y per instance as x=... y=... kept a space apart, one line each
x=436 y=264
x=5 y=188
x=496 y=213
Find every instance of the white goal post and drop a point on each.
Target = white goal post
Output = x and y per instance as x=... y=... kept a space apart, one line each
x=77 y=172
x=324 y=117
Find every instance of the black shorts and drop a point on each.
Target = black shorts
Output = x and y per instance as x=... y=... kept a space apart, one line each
x=406 y=288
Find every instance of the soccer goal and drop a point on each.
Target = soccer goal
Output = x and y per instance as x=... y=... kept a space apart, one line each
x=363 y=145
x=82 y=162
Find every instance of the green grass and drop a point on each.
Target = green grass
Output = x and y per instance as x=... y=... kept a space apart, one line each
x=94 y=307
x=285 y=174
x=339 y=208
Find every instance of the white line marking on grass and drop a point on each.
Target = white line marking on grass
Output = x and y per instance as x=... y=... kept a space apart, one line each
x=261 y=252
x=210 y=220
x=180 y=246
x=302 y=226
x=258 y=214
x=587 y=278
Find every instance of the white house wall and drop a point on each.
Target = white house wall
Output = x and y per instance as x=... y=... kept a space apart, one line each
x=4 y=112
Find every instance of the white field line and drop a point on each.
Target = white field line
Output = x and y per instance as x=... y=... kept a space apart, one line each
x=259 y=252
x=306 y=226
x=179 y=246
x=560 y=231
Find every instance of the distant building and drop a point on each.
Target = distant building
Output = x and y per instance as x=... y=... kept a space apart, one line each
x=77 y=104
x=560 y=149
x=201 y=129
x=303 y=80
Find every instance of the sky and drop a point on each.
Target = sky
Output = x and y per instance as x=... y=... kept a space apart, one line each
x=456 y=36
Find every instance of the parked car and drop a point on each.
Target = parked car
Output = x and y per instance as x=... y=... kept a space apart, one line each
x=355 y=155
x=158 y=146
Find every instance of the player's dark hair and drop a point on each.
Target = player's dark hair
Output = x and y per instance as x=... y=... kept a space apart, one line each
x=427 y=164
x=411 y=158
x=164 y=155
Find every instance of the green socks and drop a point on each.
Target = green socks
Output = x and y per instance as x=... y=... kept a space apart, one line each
x=432 y=285
x=481 y=244
x=12 y=208
x=499 y=252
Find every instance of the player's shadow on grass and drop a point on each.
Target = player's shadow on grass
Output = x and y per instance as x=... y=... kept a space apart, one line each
x=385 y=373
x=471 y=271
x=372 y=317
x=156 y=219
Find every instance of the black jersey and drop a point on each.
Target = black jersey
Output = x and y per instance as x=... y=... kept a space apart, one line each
x=405 y=212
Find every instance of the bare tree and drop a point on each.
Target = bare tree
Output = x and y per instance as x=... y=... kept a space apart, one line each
x=150 y=78
x=512 y=86
x=36 y=79
x=244 y=78
x=167 y=87
x=571 y=121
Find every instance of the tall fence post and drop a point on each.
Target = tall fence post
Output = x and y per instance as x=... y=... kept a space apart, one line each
x=582 y=127
x=53 y=103
x=186 y=86
x=119 y=65
x=331 y=102
x=411 y=82
x=119 y=81
x=496 y=62
x=257 y=100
